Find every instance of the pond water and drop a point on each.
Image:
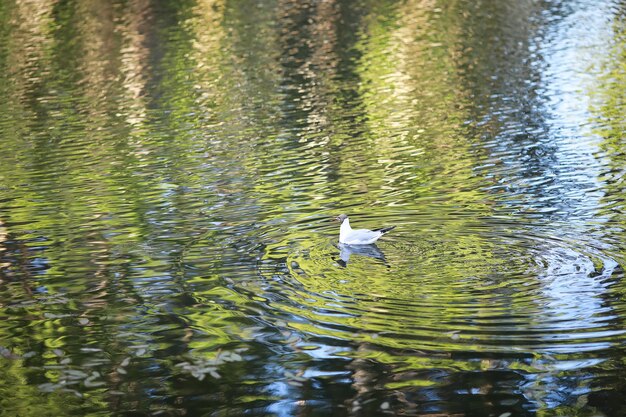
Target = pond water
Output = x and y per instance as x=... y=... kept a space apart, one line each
x=170 y=171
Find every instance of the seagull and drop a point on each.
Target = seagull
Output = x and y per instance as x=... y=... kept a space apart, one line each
x=349 y=236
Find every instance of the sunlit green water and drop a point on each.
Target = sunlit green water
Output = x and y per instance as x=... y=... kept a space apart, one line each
x=169 y=171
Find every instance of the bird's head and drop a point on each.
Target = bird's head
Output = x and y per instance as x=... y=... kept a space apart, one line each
x=341 y=218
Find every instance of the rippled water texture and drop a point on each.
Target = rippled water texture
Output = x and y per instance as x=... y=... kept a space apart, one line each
x=170 y=170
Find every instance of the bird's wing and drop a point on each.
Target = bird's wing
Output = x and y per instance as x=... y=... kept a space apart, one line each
x=362 y=235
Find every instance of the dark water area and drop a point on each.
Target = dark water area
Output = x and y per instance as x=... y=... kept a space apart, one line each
x=170 y=170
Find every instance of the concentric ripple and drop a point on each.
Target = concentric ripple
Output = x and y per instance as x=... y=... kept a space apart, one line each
x=499 y=293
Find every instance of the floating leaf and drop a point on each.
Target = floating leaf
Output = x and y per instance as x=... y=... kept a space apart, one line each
x=76 y=374
x=48 y=387
x=73 y=391
x=95 y=362
x=55 y=316
x=183 y=364
x=70 y=381
x=296 y=377
x=454 y=335
x=92 y=383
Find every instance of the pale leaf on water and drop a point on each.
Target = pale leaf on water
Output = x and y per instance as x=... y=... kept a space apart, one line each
x=76 y=373
x=91 y=382
x=90 y=350
x=48 y=387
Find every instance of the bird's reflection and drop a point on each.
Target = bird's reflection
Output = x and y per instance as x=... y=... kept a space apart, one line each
x=370 y=251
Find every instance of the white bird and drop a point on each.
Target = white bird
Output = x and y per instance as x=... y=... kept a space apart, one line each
x=350 y=236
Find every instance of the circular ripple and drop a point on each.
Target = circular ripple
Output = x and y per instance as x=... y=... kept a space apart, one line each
x=516 y=293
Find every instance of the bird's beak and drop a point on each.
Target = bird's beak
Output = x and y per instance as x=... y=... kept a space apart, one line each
x=337 y=219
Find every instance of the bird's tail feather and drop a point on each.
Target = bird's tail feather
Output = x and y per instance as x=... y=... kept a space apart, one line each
x=385 y=229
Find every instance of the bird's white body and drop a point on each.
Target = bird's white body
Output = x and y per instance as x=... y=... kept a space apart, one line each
x=350 y=236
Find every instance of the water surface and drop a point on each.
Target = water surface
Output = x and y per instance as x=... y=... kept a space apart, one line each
x=170 y=171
